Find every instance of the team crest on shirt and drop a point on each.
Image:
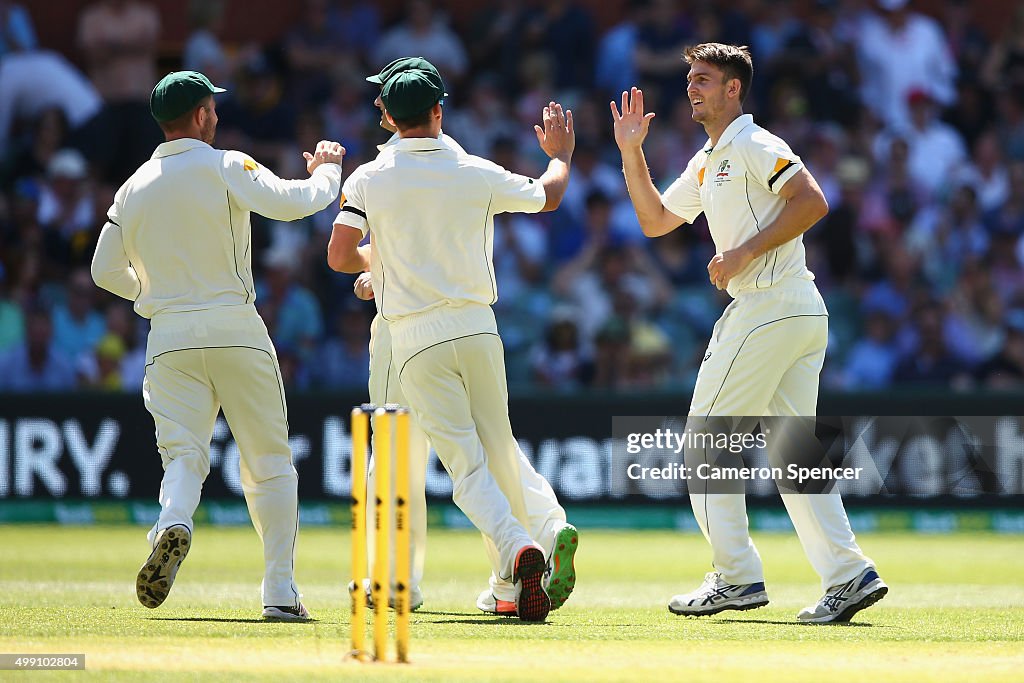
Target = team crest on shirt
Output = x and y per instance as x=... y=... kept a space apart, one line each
x=722 y=175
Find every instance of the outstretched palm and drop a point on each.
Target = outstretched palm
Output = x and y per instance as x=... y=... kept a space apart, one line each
x=632 y=124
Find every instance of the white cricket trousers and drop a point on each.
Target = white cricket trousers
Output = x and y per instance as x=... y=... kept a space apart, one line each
x=451 y=366
x=764 y=358
x=385 y=388
x=230 y=365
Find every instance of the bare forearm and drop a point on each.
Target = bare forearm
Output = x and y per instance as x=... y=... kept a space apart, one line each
x=343 y=259
x=555 y=180
x=644 y=195
x=796 y=218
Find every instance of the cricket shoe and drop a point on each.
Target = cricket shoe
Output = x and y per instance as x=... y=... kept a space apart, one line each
x=486 y=602
x=841 y=602
x=415 y=596
x=286 y=613
x=156 y=576
x=717 y=595
x=532 y=602
x=560 y=577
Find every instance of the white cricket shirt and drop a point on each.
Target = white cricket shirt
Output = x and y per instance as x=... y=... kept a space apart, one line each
x=178 y=236
x=736 y=185
x=430 y=209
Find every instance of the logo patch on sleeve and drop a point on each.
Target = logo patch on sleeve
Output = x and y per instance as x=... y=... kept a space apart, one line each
x=250 y=165
x=780 y=164
x=341 y=204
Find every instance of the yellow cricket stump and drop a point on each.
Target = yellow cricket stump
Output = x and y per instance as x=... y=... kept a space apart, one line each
x=391 y=462
x=360 y=437
x=381 y=582
x=403 y=561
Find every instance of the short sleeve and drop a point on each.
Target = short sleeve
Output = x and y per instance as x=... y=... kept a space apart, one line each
x=683 y=196
x=771 y=161
x=511 y=192
x=352 y=206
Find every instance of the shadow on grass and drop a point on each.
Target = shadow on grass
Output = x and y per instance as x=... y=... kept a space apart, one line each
x=229 y=621
x=848 y=624
x=489 y=621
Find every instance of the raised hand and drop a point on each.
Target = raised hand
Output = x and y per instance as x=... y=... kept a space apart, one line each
x=327 y=152
x=632 y=124
x=557 y=138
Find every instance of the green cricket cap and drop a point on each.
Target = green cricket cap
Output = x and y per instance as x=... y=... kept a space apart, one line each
x=178 y=92
x=412 y=92
x=400 y=65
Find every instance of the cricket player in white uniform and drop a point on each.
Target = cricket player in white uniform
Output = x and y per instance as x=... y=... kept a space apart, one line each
x=767 y=350
x=384 y=387
x=178 y=244
x=430 y=213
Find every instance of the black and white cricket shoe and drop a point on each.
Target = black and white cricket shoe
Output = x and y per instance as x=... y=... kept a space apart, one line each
x=717 y=595
x=286 y=613
x=156 y=577
x=841 y=602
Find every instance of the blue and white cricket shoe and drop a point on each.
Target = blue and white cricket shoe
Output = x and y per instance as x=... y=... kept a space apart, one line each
x=717 y=595
x=841 y=602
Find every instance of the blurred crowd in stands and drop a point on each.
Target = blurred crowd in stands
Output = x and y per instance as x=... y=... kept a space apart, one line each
x=912 y=124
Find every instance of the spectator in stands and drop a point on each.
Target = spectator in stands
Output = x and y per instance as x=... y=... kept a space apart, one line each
x=203 y=50
x=936 y=150
x=590 y=174
x=65 y=204
x=591 y=280
x=973 y=328
x=903 y=51
x=37 y=364
x=967 y=41
x=30 y=157
x=258 y=117
x=313 y=49
x=1006 y=369
x=24 y=67
x=943 y=237
x=565 y=30
x=1004 y=63
x=659 y=43
x=291 y=312
x=930 y=362
x=497 y=43
x=611 y=355
x=559 y=360
x=12 y=321
x=358 y=24
x=872 y=359
x=104 y=372
x=424 y=33
x=987 y=173
x=679 y=258
x=347 y=116
x=130 y=331
x=343 y=360
x=484 y=119
x=615 y=62
x=119 y=40
x=77 y=325
x=520 y=256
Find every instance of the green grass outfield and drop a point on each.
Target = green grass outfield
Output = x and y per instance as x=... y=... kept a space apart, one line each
x=955 y=612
